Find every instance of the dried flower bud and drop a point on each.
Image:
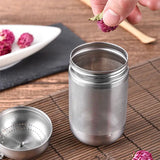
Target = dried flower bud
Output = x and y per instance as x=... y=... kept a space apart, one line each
x=7 y=36
x=4 y=48
x=25 y=40
x=104 y=27
x=142 y=155
x=101 y=24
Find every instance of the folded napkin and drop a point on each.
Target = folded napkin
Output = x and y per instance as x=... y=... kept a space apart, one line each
x=51 y=59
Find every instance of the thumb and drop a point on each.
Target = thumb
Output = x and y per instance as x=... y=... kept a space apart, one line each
x=98 y=6
x=116 y=11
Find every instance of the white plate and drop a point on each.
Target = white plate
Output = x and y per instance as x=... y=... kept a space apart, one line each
x=43 y=35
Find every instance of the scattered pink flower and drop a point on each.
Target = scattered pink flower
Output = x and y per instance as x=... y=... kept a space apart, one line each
x=104 y=27
x=4 y=48
x=25 y=40
x=142 y=155
x=7 y=36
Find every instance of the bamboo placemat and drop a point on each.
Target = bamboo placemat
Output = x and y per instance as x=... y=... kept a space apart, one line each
x=142 y=127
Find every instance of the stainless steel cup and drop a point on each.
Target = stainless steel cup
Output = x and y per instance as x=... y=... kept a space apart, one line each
x=98 y=84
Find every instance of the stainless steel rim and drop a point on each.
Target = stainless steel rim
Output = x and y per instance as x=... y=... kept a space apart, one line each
x=116 y=73
x=82 y=46
x=36 y=111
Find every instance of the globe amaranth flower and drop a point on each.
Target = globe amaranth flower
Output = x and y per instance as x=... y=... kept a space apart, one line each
x=25 y=40
x=101 y=24
x=7 y=36
x=142 y=155
x=4 y=48
x=104 y=27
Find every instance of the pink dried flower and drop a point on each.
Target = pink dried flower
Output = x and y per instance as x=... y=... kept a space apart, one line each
x=7 y=36
x=104 y=27
x=4 y=48
x=101 y=24
x=142 y=155
x=25 y=40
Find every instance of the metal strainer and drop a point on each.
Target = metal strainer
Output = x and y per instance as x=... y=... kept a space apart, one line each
x=24 y=132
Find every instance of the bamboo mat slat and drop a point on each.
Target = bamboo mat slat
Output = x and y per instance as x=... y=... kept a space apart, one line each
x=142 y=129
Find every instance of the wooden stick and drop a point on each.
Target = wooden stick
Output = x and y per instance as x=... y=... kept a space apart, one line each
x=130 y=28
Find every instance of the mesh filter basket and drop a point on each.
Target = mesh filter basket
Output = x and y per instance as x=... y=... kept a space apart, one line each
x=24 y=132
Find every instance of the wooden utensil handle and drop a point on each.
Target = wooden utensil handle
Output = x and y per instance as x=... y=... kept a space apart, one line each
x=130 y=28
x=138 y=34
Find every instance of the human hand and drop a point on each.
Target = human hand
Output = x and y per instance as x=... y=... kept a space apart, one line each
x=115 y=11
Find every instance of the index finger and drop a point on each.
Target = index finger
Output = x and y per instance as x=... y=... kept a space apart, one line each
x=98 y=6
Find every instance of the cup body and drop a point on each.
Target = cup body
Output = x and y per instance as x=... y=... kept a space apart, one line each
x=98 y=85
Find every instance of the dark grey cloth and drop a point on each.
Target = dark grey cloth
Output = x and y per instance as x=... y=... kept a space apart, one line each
x=51 y=59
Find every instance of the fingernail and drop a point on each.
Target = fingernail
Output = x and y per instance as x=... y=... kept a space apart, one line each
x=111 y=18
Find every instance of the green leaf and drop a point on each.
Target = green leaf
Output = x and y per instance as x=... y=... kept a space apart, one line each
x=97 y=17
